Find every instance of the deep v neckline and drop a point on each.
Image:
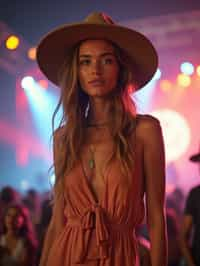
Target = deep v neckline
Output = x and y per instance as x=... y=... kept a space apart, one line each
x=97 y=200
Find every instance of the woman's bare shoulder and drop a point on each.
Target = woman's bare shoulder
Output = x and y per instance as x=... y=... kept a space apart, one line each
x=147 y=127
x=146 y=120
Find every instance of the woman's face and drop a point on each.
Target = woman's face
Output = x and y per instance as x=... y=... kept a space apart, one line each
x=98 y=68
x=13 y=219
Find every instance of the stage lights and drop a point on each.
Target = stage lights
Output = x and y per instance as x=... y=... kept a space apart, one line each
x=32 y=53
x=12 y=42
x=183 y=80
x=165 y=85
x=43 y=83
x=198 y=70
x=187 y=68
x=27 y=82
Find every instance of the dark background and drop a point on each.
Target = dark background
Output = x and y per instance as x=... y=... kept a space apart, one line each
x=32 y=19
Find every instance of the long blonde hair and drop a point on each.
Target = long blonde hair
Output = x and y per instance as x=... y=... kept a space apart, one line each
x=75 y=103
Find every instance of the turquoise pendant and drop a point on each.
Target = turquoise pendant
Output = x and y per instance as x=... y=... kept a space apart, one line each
x=91 y=163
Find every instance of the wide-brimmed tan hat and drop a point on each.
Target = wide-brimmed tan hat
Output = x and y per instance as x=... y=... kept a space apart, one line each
x=52 y=49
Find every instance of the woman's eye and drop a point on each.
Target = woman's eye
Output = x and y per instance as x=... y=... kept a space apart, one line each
x=84 y=62
x=108 y=60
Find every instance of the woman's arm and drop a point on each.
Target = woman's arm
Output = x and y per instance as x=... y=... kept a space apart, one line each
x=57 y=220
x=154 y=170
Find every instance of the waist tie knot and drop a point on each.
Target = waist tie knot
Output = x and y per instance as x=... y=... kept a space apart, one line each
x=92 y=221
x=92 y=239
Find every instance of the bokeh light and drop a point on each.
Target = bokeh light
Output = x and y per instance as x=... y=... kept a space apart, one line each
x=27 y=82
x=165 y=85
x=173 y=126
x=12 y=42
x=183 y=80
x=198 y=70
x=43 y=83
x=187 y=68
x=32 y=53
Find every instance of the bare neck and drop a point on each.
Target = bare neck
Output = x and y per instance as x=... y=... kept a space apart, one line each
x=99 y=111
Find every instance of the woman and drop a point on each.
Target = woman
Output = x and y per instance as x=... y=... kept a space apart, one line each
x=106 y=157
x=8 y=195
x=18 y=245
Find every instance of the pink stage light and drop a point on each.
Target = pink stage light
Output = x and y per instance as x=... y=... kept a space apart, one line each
x=43 y=83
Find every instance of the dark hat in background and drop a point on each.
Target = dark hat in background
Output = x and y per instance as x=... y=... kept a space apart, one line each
x=195 y=158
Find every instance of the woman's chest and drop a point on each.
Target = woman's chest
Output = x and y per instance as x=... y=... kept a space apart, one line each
x=101 y=166
x=96 y=160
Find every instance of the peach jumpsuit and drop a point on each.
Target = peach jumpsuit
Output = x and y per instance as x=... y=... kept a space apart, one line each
x=91 y=233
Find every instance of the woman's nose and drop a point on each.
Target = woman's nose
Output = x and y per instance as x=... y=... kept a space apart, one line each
x=96 y=67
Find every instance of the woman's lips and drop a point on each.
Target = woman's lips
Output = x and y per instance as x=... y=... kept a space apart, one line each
x=96 y=82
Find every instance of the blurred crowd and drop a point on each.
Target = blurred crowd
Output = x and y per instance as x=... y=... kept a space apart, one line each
x=24 y=220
